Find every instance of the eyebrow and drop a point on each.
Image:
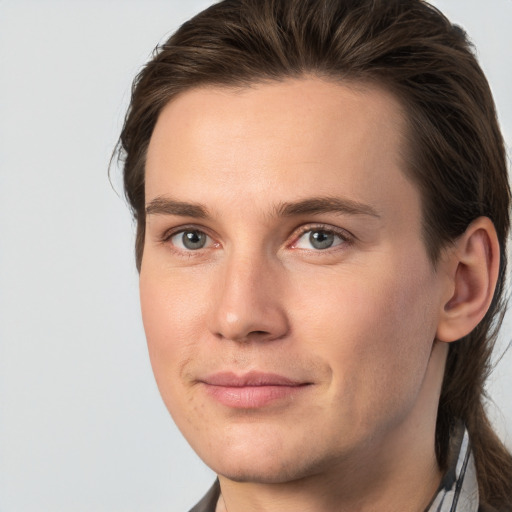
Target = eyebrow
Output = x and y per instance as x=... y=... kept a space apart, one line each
x=312 y=206
x=166 y=206
x=317 y=205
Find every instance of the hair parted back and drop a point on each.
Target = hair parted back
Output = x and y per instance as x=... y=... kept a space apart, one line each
x=456 y=155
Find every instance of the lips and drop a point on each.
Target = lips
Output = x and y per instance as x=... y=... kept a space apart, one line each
x=251 y=390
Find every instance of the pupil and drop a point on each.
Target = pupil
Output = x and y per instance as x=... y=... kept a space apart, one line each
x=194 y=240
x=321 y=239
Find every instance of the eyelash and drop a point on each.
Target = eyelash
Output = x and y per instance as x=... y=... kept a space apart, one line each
x=345 y=237
x=168 y=235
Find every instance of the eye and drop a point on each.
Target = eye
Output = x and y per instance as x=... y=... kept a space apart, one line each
x=190 y=240
x=319 y=239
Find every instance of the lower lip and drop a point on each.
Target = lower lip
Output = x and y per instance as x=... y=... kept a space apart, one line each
x=252 y=397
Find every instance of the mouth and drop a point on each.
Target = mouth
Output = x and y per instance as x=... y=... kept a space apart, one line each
x=252 y=390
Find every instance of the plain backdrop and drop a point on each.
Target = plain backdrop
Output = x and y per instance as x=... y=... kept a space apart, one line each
x=82 y=426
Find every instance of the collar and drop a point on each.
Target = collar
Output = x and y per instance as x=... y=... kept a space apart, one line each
x=458 y=491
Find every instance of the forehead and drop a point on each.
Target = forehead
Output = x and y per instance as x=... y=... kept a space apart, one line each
x=280 y=140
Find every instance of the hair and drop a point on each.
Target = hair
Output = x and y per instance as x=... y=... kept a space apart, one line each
x=456 y=154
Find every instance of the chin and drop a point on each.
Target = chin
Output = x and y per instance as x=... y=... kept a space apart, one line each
x=274 y=468
x=261 y=475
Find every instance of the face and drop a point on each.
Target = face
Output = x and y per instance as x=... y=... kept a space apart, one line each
x=288 y=301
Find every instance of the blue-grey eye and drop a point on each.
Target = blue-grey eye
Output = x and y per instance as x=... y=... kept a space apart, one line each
x=319 y=239
x=190 y=240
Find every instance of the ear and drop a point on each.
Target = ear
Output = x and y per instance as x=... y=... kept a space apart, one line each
x=473 y=266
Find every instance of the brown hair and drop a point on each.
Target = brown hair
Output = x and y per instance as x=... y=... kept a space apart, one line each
x=456 y=151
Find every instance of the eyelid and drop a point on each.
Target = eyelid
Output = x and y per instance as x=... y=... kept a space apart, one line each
x=168 y=234
x=345 y=235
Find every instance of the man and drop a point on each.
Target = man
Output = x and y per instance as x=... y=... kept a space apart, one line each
x=322 y=208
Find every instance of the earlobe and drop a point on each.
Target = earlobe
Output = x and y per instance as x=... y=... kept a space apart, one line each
x=474 y=262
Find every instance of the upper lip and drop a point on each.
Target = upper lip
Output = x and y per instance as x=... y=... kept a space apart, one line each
x=254 y=378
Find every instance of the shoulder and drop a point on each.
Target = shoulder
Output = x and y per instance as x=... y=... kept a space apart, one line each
x=209 y=501
x=485 y=507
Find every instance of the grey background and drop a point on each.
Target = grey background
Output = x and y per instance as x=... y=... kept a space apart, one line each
x=82 y=427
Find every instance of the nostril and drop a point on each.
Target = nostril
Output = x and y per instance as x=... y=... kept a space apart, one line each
x=250 y=336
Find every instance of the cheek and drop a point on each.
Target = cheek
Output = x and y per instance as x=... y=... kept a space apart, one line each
x=375 y=306
x=171 y=314
x=376 y=331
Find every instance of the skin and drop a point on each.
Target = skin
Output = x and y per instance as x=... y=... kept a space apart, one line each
x=355 y=322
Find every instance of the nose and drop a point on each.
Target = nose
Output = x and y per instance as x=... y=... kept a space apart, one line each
x=248 y=301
